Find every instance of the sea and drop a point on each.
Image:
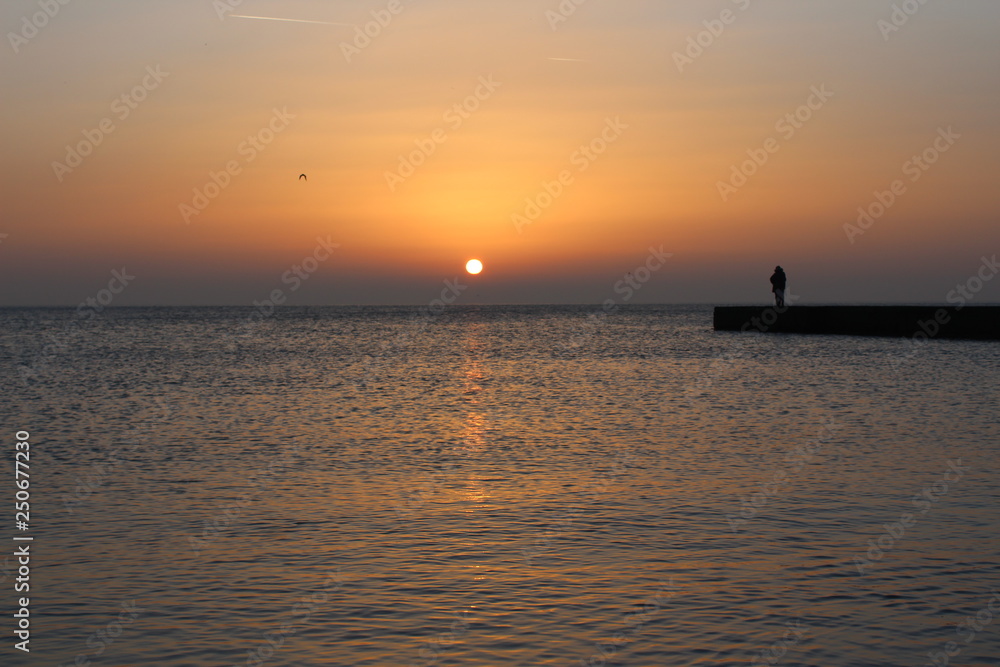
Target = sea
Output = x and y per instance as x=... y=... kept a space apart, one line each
x=484 y=486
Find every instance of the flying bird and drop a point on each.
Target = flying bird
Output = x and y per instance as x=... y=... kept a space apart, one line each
x=303 y=176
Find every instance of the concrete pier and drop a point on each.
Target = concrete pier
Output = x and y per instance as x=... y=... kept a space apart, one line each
x=970 y=322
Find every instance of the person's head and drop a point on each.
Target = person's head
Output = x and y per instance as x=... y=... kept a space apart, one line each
x=779 y=269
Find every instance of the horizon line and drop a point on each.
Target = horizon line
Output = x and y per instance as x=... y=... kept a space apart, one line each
x=928 y=304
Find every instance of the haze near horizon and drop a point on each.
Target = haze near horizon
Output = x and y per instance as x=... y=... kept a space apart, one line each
x=571 y=148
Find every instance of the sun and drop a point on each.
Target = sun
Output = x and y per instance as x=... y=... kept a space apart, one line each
x=474 y=266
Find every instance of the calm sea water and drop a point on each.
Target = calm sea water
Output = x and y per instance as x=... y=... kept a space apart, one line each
x=498 y=486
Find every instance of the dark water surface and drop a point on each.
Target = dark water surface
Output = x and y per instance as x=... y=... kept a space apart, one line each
x=499 y=486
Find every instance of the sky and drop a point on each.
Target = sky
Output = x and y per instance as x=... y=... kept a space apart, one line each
x=152 y=151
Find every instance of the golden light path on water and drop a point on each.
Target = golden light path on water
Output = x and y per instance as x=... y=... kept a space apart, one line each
x=508 y=485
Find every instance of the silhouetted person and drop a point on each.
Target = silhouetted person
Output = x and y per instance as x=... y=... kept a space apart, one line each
x=778 y=281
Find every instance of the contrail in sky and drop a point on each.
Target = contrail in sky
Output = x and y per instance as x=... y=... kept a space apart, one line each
x=272 y=18
x=571 y=60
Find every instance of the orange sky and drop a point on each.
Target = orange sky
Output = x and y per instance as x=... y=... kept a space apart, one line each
x=529 y=96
